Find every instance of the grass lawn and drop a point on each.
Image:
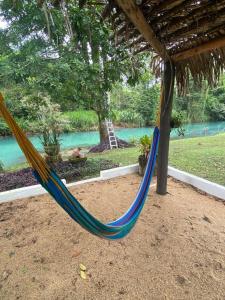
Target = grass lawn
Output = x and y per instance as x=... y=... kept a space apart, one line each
x=202 y=156
x=123 y=157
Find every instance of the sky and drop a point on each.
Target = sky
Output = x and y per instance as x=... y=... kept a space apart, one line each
x=2 y=23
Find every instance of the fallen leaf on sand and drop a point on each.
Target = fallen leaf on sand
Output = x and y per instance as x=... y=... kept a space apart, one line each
x=83 y=274
x=82 y=267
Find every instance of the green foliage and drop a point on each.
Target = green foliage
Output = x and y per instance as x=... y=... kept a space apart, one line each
x=216 y=103
x=145 y=144
x=134 y=141
x=217 y=111
x=47 y=116
x=192 y=105
x=82 y=120
x=202 y=104
x=4 y=129
x=138 y=103
x=64 y=52
x=129 y=117
x=176 y=120
x=50 y=123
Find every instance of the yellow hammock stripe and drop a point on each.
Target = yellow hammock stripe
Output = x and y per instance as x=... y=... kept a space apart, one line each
x=33 y=157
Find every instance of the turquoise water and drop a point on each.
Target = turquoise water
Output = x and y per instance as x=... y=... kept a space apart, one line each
x=11 y=154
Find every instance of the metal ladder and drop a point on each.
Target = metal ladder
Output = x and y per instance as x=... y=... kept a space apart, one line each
x=111 y=133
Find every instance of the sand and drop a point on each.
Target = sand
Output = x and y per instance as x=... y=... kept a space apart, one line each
x=176 y=251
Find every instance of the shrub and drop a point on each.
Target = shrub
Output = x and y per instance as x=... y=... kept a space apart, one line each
x=4 y=129
x=134 y=141
x=176 y=122
x=129 y=117
x=82 y=120
x=145 y=144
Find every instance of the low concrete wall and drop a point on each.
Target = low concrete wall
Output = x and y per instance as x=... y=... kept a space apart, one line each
x=121 y=171
x=204 y=185
x=83 y=181
x=37 y=190
x=25 y=192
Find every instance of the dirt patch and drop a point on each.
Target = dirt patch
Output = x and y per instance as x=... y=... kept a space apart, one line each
x=176 y=250
x=106 y=146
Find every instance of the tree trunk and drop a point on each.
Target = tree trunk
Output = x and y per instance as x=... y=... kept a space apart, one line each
x=104 y=138
x=166 y=110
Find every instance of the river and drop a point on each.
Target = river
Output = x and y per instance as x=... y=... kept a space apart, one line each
x=10 y=153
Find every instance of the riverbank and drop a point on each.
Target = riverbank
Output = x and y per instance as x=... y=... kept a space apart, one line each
x=73 y=121
x=11 y=155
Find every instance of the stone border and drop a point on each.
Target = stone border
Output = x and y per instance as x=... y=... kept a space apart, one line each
x=200 y=183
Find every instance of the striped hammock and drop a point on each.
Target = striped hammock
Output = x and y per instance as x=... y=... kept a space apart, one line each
x=52 y=183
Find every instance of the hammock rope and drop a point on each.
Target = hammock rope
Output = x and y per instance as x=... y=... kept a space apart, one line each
x=52 y=183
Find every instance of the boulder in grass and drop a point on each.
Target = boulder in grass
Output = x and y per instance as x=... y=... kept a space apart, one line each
x=106 y=146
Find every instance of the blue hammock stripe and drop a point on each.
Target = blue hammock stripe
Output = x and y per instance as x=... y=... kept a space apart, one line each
x=113 y=230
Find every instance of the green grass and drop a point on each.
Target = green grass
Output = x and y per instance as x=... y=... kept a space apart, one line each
x=123 y=157
x=202 y=156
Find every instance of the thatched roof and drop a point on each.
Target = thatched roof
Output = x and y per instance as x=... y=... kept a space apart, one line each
x=189 y=32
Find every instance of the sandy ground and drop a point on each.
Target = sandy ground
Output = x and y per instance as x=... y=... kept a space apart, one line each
x=176 y=251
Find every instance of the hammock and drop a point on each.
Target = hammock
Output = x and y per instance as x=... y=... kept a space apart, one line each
x=52 y=183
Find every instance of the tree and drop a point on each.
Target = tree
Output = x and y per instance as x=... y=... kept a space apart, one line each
x=64 y=49
x=193 y=104
x=141 y=99
x=215 y=102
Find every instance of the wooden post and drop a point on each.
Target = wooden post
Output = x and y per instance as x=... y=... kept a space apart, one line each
x=166 y=110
